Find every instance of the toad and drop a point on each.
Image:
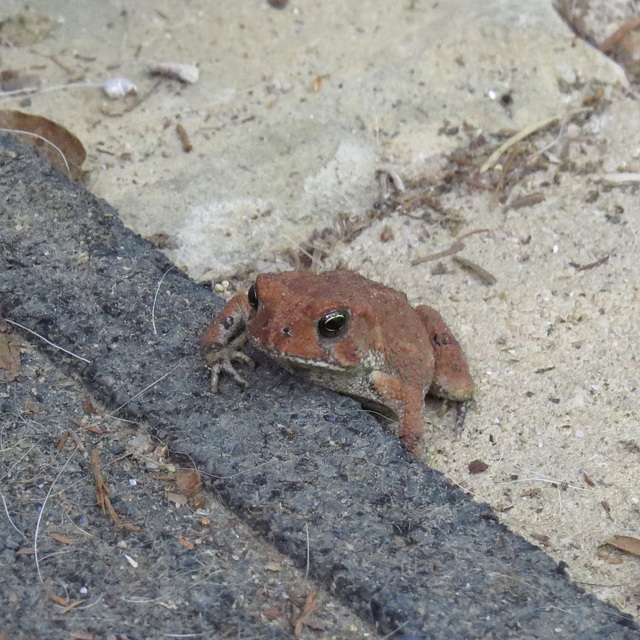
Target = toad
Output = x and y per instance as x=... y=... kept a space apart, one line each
x=347 y=333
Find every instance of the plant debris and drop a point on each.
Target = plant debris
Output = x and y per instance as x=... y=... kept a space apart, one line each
x=102 y=495
x=591 y=265
x=456 y=247
x=626 y=543
x=528 y=200
x=477 y=466
x=188 y=481
x=64 y=150
x=187 y=147
x=481 y=273
x=10 y=368
x=187 y=73
x=304 y=617
x=619 y=35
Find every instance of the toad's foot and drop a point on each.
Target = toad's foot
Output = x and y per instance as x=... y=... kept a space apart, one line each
x=220 y=360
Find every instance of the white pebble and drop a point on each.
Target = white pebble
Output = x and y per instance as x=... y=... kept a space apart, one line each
x=119 y=87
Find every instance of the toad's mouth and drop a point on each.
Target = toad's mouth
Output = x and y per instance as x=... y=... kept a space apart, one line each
x=299 y=362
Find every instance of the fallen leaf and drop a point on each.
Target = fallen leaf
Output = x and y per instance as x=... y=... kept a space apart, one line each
x=478 y=466
x=178 y=498
x=272 y=613
x=186 y=543
x=51 y=139
x=60 y=538
x=87 y=405
x=30 y=408
x=626 y=543
x=188 y=481
x=273 y=566
x=10 y=369
x=303 y=617
x=542 y=539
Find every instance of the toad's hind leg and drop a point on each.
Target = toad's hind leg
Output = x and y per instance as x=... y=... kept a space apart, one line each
x=451 y=379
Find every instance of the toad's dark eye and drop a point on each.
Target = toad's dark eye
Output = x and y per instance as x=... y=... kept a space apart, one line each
x=334 y=324
x=254 y=299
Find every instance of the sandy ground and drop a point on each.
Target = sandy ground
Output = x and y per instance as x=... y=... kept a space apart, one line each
x=284 y=161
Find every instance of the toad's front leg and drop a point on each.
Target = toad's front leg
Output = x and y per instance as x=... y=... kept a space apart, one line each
x=225 y=339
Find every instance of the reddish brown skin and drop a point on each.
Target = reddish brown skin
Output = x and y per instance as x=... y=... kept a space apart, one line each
x=391 y=354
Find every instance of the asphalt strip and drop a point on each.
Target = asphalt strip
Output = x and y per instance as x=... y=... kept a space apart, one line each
x=308 y=470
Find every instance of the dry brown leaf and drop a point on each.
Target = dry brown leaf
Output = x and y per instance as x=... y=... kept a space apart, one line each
x=60 y=538
x=298 y=621
x=87 y=405
x=626 y=543
x=477 y=466
x=30 y=408
x=80 y=635
x=178 y=498
x=272 y=613
x=186 y=543
x=51 y=139
x=9 y=355
x=188 y=481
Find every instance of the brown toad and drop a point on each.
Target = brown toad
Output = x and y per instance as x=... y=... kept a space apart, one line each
x=346 y=333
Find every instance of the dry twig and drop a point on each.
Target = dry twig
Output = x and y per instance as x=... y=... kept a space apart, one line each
x=620 y=34
x=304 y=616
x=102 y=495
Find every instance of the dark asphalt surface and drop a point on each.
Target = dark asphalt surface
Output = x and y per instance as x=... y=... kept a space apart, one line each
x=390 y=538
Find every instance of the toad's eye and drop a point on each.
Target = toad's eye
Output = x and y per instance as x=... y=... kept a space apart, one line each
x=254 y=299
x=334 y=324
